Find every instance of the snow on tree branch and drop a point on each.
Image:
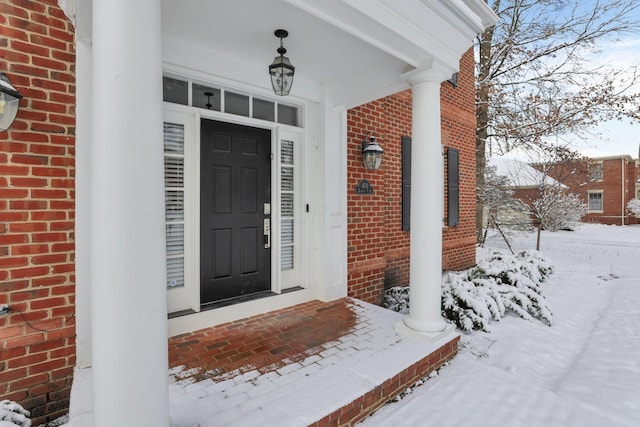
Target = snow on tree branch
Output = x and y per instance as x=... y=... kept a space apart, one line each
x=634 y=207
x=538 y=80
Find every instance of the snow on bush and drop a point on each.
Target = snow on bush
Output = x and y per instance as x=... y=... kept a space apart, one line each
x=499 y=284
x=13 y=415
x=397 y=299
x=634 y=207
x=557 y=211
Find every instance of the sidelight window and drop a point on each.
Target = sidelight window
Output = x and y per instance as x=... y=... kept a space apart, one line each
x=174 y=202
x=287 y=205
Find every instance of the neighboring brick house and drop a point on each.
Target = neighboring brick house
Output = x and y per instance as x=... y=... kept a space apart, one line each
x=606 y=184
x=378 y=240
x=37 y=274
x=525 y=181
x=638 y=177
x=82 y=264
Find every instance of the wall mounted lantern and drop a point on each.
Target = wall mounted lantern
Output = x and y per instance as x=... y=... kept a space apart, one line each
x=371 y=153
x=281 y=70
x=9 y=102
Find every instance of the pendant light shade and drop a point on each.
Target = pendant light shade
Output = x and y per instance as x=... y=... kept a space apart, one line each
x=281 y=70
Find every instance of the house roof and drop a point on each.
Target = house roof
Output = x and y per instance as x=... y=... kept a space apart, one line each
x=615 y=157
x=520 y=174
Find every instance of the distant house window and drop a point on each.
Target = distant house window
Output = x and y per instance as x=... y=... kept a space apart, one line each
x=595 y=171
x=595 y=201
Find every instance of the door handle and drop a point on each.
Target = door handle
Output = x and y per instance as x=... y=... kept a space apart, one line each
x=267 y=233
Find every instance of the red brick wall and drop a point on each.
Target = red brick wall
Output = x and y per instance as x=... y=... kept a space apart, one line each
x=37 y=337
x=378 y=249
x=458 y=109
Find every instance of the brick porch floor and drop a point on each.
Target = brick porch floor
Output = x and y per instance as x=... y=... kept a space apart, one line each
x=312 y=364
x=264 y=343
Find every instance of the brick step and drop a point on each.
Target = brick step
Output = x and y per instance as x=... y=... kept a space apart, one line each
x=334 y=368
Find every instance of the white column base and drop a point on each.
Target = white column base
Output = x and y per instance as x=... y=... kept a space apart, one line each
x=403 y=329
x=428 y=326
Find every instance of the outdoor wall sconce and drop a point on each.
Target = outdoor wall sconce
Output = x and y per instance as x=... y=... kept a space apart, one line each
x=281 y=70
x=9 y=102
x=371 y=153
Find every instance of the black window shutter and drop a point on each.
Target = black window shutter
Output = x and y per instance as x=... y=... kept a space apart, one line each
x=453 y=190
x=406 y=183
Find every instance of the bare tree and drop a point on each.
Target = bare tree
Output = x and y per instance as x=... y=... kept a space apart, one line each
x=551 y=206
x=535 y=79
x=503 y=212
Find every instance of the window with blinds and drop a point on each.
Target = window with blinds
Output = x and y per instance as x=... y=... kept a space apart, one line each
x=286 y=206
x=174 y=202
x=595 y=201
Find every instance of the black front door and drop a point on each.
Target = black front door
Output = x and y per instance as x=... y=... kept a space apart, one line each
x=235 y=197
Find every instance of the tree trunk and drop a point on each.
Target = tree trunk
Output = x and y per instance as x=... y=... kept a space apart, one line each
x=482 y=117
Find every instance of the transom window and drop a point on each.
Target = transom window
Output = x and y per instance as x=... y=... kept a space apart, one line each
x=595 y=201
x=184 y=92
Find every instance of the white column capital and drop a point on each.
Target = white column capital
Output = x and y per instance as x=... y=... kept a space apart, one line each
x=431 y=71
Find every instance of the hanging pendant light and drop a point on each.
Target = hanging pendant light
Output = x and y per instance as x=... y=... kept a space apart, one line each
x=9 y=102
x=281 y=70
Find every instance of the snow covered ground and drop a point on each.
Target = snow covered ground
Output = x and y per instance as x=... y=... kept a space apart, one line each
x=582 y=371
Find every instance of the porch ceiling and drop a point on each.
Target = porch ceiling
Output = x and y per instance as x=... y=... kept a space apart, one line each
x=349 y=50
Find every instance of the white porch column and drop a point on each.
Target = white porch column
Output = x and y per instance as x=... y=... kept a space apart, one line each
x=83 y=203
x=80 y=14
x=427 y=202
x=129 y=308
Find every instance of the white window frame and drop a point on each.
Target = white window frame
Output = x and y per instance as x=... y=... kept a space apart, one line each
x=601 y=193
x=596 y=166
x=186 y=297
x=291 y=278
